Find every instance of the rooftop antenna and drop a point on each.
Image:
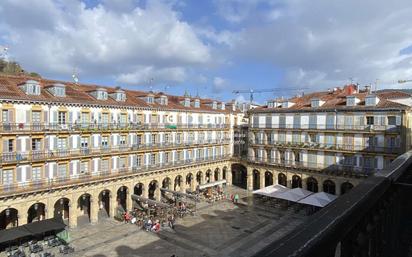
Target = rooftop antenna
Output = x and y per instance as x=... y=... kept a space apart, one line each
x=75 y=77
x=150 y=82
x=376 y=84
x=3 y=53
x=166 y=87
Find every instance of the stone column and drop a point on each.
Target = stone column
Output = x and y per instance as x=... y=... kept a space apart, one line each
x=73 y=214
x=158 y=193
x=337 y=188
x=229 y=177
x=22 y=216
x=94 y=209
x=145 y=192
x=249 y=179
x=49 y=212
x=129 y=201
x=262 y=179
x=112 y=205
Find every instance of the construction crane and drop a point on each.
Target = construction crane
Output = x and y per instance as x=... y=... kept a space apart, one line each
x=253 y=91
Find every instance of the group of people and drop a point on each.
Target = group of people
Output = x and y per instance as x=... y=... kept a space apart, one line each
x=154 y=222
x=213 y=194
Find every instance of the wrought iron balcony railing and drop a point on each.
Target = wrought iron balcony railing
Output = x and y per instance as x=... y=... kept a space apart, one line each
x=386 y=128
x=325 y=146
x=33 y=127
x=59 y=181
x=315 y=166
x=43 y=155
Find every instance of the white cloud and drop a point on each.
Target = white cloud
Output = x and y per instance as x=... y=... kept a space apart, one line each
x=145 y=74
x=324 y=43
x=125 y=43
x=219 y=84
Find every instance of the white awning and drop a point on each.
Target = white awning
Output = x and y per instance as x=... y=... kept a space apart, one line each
x=320 y=199
x=212 y=184
x=271 y=190
x=293 y=195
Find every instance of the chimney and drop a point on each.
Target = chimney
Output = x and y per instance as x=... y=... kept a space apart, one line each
x=368 y=89
x=350 y=89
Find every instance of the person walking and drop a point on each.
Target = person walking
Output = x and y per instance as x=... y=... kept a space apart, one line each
x=236 y=198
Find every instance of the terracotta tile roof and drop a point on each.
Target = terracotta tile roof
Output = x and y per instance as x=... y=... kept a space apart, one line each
x=80 y=94
x=337 y=100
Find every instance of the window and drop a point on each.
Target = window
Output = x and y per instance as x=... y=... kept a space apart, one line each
x=166 y=138
x=105 y=118
x=350 y=101
x=8 y=145
x=296 y=121
x=123 y=118
x=105 y=165
x=296 y=137
x=163 y=100
x=84 y=142
x=7 y=178
x=5 y=116
x=369 y=120
x=150 y=99
x=214 y=105
x=312 y=121
x=153 y=138
x=85 y=118
x=197 y=104
x=282 y=121
x=62 y=143
x=315 y=103
x=139 y=161
x=122 y=140
x=153 y=159
x=61 y=117
x=105 y=141
x=178 y=138
x=166 y=159
x=36 y=117
x=36 y=173
x=187 y=102
x=36 y=144
x=391 y=120
x=84 y=167
x=62 y=170
x=371 y=100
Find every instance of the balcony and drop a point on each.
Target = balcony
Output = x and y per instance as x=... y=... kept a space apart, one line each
x=373 y=219
x=330 y=147
x=90 y=127
x=337 y=169
x=48 y=184
x=39 y=155
x=333 y=127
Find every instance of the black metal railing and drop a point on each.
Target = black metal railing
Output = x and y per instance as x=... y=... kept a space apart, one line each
x=33 y=127
x=314 y=166
x=41 y=184
x=42 y=155
x=373 y=219
x=315 y=126
x=328 y=146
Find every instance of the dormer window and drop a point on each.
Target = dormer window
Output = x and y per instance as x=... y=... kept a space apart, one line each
x=371 y=100
x=197 y=103
x=150 y=99
x=163 y=100
x=352 y=101
x=287 y=104
x=58 y=90
x=316 y=103
x=187 y=102
x=214 y=105
x=222 y=106
x=100 y=94
x=119 y=95
x=31 y=87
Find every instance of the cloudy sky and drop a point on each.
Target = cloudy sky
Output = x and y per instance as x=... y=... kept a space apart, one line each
x=213 y=47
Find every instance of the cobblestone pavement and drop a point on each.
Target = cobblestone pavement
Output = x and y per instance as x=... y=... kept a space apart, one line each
x=220 y=229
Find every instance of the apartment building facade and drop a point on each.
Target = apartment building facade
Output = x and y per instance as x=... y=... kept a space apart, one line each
x=70 y=149
x=339 y=135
